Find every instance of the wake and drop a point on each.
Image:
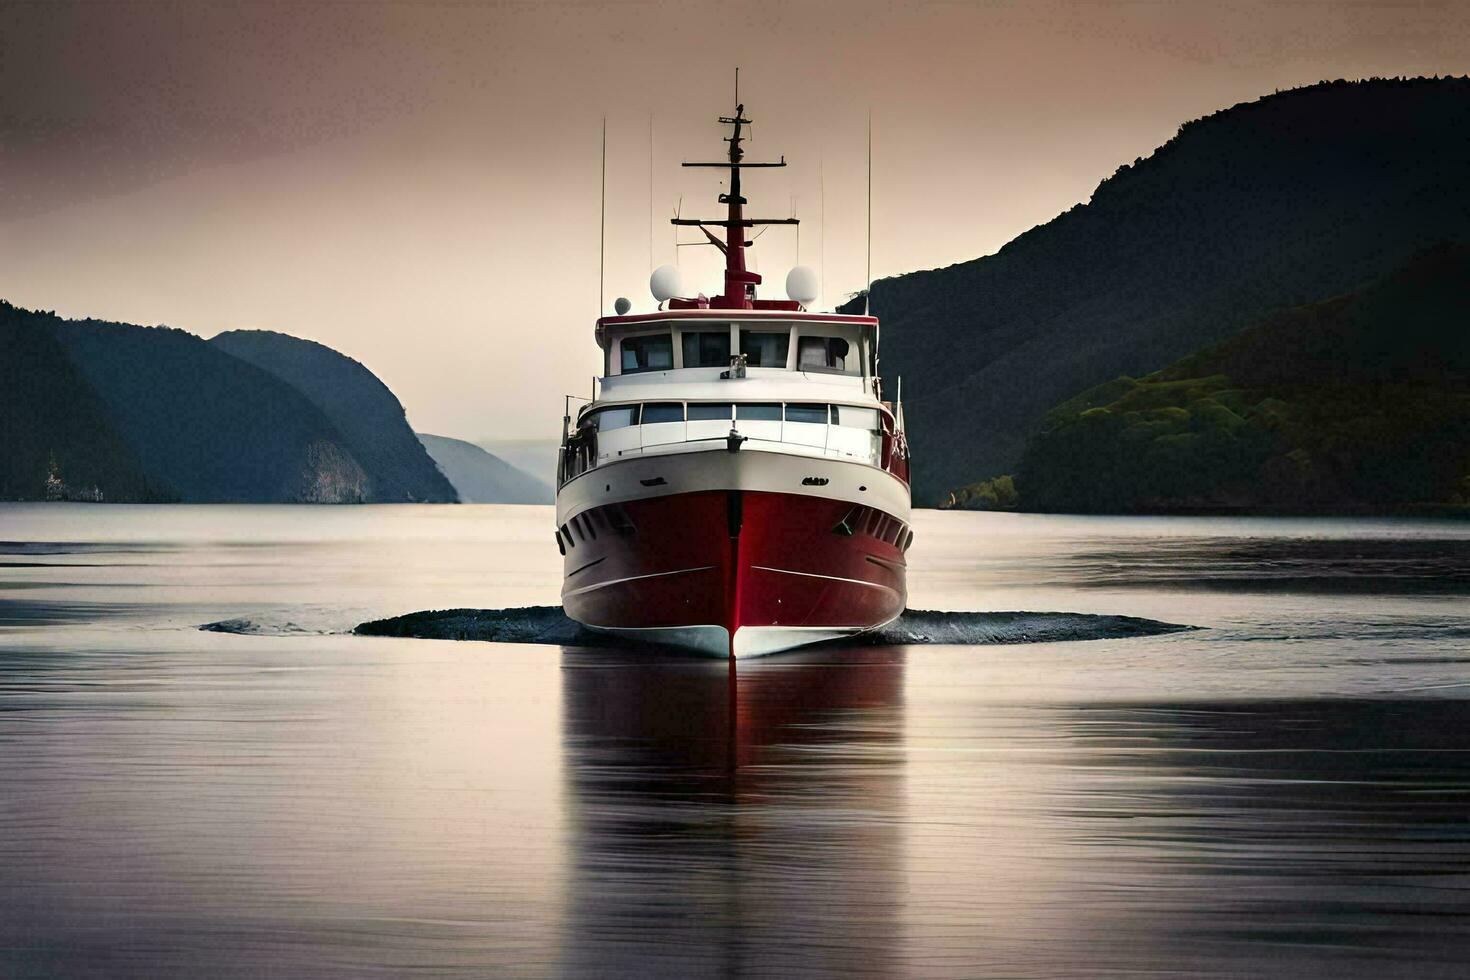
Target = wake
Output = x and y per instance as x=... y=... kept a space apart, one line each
x=548 y=624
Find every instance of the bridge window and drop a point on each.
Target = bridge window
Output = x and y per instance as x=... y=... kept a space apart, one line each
x=717 y=412
x=707 y=348
x=807 y=413
x=763 y=349
x=826 y=355
x=857 y=418
x=758 y=412
x=663 y=412
x=607 y=419
x=650 y=353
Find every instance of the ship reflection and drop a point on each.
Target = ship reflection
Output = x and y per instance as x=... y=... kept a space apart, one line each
x=733 y=822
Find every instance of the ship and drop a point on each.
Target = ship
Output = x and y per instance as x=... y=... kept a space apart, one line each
x=737 y=486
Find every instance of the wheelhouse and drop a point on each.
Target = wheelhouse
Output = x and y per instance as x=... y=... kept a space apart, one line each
x=684 y=340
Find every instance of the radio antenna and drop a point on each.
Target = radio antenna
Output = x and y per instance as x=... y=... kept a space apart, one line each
x=798 y=231
x=602 y=225
x=650 y=192
x=822 y=242
x=868 y=293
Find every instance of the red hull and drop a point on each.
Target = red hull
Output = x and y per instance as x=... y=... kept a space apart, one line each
x=734 y=559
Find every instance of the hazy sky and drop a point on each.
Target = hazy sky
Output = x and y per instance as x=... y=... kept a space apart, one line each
x=416 y=184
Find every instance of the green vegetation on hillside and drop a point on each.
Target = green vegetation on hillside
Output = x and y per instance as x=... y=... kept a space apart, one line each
x=1267 y=205
x=1358 y=403
x=997 y=493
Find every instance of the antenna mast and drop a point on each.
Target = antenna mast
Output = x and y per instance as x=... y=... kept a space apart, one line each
x=822 y=194
x=650 y=192
x=740 y=283
x=868 y=274
x=602 y=226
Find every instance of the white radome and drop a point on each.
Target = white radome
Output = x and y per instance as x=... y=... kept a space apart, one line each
x=802 y=284
x=665 y=283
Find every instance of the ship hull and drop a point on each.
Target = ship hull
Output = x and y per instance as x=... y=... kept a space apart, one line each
x=735 y=573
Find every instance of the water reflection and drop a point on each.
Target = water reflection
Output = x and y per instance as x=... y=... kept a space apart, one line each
x=1286 y=793
x=272 y=807
x=1300 y=837
x=1314 y=566
x=734 y=822
x=1333 y=833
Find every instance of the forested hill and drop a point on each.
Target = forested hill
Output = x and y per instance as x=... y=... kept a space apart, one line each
x=1357 y=403
x=101 y=411
x=206 y=426
x=56 y=439
x=1270 y=204
x=369 y=416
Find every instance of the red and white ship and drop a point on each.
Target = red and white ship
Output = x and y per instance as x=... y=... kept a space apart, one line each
x=738 y=487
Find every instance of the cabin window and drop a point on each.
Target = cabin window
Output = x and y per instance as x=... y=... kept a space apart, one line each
x=857 y=418
x=706 y=348
x=807 y=413
x=758 y=412
x=607 y=419
x=651 y=353
x=767 y=350
x=719 y=412
x=828 y=355
x=663 y=412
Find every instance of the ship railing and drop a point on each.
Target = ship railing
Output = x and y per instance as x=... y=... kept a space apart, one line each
x=620 y=432
x=801 y=438
x=582 y=452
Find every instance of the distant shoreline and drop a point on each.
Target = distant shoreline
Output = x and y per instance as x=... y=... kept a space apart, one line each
x=1432 y=511
x=1426 y=512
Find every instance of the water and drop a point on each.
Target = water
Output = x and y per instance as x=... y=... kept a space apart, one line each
x=1285 y=793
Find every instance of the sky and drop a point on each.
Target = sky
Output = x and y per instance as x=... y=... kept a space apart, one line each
x=418 y=185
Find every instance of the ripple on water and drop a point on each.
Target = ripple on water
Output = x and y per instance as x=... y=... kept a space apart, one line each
x=548 y=624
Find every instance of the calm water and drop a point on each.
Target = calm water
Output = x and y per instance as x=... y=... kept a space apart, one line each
x=1286 y=793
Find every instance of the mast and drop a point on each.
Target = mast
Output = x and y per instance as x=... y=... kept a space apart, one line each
x=736 y=276
x=740 y=283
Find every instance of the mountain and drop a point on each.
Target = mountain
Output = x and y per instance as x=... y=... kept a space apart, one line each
x=481 y=478
x=95 y=410
x=534 y=456
x=1264 y=206
x=203 y=425
x=1357 y=403
x=368 y=415
x=58 y=440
